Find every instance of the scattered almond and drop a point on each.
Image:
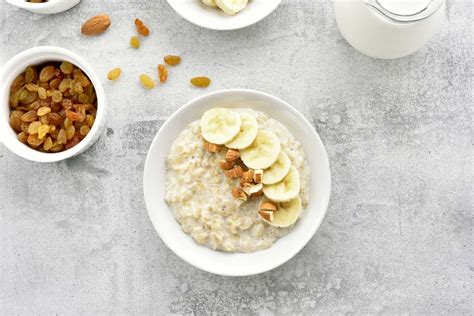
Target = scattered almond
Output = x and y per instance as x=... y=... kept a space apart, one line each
x=238 y=193
x=226 y=165
x=232 y=155
x=258 y=194
x=96 y=25
x=235 y=172
x=213 y=148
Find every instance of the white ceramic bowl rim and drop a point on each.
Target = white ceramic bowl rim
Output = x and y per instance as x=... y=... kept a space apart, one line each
x=13 y=68
x=184 y=252
x=211 y=18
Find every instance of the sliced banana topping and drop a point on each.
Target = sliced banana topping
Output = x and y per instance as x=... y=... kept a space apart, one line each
x=219 y=126
x=247 y=134
x=231 y=6
x=263 y=152
x=209 y=3
x=286 y=214
x=285 y=190
x=278 y=170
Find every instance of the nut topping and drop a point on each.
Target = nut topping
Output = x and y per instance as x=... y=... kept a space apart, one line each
x=238 y=193
x=226 y=165
x=247 y=176
x=235 y=172
x=257 y=176
x=232 y=155
x=250 y=189
x=213 y=148
x=268 y=206
x=266 y=215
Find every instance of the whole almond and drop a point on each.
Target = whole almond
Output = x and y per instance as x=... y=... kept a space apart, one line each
x=96 y=25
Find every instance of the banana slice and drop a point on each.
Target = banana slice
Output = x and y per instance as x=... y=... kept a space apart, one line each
x=220 y=125
x=285 y=190
x=247 y=134
x=231 y=6
x=287 y=213
x=278 y=170
x=263 y=152
x=209 y=3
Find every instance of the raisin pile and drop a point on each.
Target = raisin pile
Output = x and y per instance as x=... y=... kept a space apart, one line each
x=53 y=106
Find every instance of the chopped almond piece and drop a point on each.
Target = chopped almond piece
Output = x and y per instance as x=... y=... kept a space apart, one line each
x=268 y=206
x=235 y=172
x=232 y=155
x=266 y=215
x=247 y=176
x=226 y=165
x=238 y=193
x=213 y=148
x=257 y=176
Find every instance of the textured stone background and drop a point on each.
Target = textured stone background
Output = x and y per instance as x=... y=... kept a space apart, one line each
x=398 y=235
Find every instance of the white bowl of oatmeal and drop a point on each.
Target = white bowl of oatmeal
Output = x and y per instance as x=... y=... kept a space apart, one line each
x=198 y=13
x=188 y=195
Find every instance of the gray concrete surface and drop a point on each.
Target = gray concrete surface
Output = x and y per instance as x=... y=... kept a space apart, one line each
x=398 y=235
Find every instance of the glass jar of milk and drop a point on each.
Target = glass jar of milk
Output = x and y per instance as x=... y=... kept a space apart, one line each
x=389 y=28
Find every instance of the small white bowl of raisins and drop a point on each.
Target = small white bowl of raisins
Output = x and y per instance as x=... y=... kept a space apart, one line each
x=44 y=6
x=52 y=104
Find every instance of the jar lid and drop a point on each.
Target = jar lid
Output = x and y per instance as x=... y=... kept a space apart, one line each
x=406 y=10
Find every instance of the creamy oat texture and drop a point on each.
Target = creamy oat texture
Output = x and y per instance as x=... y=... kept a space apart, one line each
x=199 y=193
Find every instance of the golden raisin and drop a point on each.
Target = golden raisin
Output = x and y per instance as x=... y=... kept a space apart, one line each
x=147 y=82
x=30 y=74
x=61 y=139
x=22 y=137
x=29 y=116
x=162 y=73
x=42 y=93
x=47 y=73
x=141 y=28
x=43 y=110
x=15 y=120
x=70 y=131
x=75 y=117
x=42 y=131
x=73 y=142
x=31 y=87
x=84 y=130
x=33 y=128
x=56 y=96
x=114 y=74
x=54 y=84
x=48 y=143
x=34 y=141
x=202 y=82
x=66 y=68
x=134 y=42
x=172 y=60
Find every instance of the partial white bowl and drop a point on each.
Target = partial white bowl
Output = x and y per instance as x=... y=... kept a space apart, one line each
x=36 y=56
x=236 y=264
x=215 y=19
x=50 y=7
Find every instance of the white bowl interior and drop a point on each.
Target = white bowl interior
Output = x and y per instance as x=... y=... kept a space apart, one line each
x=17 y=65
x=213 y=18
x=236 y=264
x=50 y=7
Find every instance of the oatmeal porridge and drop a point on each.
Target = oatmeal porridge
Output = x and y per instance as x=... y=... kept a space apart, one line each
x=236 y=180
